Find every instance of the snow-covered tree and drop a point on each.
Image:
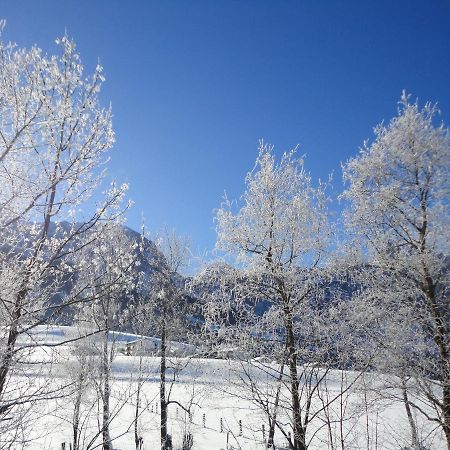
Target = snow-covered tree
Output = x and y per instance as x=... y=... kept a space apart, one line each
x=80 y=369
x=107 y=281
x=398 y=190
x=171 y=311
x=163 y=309
x=54 y=136
x=279 y=236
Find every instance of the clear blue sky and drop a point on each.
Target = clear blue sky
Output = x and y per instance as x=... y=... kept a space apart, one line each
x=195 y=84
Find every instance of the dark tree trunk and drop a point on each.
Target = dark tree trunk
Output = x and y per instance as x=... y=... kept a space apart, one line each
x=415 y=445
x=273 y=422
x=137 y=438
x=76 y=411
x=10 y=345
x=299 y=431
x=273 y=419
x=162 y=387
x=446 y=412
x=106 y=394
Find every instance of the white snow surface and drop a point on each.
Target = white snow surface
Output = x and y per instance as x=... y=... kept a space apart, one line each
x=216 y=391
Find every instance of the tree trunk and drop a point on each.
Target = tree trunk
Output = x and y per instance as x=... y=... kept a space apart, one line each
x=162 y=387
x=137 y=439
x=299 y=442
x=273 y=420
x=272 y=423
x=415 y=445
x=76 y=411
x=12 y=338
x=10 y=346
x=106 y=394
x=446 y=411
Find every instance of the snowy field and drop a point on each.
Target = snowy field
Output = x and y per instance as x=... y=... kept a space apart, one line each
x=219 y=400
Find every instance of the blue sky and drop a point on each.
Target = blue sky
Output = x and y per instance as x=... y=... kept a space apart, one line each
x=195 y=84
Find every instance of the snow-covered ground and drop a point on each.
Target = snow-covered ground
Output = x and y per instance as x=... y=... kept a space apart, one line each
x=219 y=399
